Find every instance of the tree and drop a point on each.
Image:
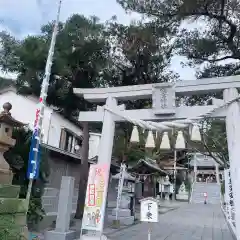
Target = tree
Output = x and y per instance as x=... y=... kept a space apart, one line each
x=140 y=55
x=214 y=141
x=80 y=54
x=213 y=45
x=4 y=82
x=214 y=41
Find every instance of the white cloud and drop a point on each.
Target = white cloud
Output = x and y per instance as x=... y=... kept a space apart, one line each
x=25 y=17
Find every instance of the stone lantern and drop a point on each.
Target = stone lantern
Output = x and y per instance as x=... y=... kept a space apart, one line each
x=167 y=187
x=7 y=123
x=13 y=210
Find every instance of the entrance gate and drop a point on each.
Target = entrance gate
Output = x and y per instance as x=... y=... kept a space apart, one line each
x=164 y=115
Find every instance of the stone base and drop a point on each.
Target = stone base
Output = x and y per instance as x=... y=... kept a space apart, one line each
x=182 y=197
x=116 y=224
x=6 y=176
x=53 y=235
x=9 y=191
x=123 y=220
x=121 y=212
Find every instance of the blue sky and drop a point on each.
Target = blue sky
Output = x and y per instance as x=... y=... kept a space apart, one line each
x=26 y=16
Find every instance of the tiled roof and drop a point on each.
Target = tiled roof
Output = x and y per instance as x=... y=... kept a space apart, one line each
x=149 y=163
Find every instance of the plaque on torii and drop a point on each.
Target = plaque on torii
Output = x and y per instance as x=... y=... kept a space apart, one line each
x=163 y=99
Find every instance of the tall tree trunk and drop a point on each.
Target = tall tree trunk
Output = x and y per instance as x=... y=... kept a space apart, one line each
x=84 y=168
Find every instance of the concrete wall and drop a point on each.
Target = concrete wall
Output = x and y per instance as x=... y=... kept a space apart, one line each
x=58 y=168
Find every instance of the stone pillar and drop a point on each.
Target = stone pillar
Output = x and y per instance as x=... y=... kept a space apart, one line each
x=105 y=155
x=106 y=141
x=62 y=231
x=233 y=139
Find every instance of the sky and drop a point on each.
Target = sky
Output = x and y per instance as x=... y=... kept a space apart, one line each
x=25 y=17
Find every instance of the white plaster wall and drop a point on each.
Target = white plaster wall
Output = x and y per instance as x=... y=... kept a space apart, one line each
x=55 y=125
x=24 y=109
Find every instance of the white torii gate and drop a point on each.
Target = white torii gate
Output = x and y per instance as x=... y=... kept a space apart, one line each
x=163 y=110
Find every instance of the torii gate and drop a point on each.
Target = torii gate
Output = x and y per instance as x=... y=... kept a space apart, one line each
x=164 y=109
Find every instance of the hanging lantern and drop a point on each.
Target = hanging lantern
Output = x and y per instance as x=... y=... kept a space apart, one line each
x=165 y=144
x=135 y=135
x=150 y=140
x=180 y=142
x=195 y=133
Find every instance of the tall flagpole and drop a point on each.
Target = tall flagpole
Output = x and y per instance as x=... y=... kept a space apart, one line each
x=38 y=123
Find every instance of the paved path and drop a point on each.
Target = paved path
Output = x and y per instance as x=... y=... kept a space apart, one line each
x=189 y=222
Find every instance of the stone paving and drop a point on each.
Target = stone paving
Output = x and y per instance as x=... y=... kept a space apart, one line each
x=189 y=222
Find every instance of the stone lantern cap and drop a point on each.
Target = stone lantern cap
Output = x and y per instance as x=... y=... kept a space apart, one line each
x=166 y=181
x=6 y=117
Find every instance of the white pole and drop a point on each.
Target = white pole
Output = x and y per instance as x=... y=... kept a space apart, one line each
x=38 y=123
x=149 y=232
x=175 y=173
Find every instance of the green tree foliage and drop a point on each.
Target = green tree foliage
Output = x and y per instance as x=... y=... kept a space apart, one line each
x=4 y=82
x=140 y=55
x=215 y=141
x=80 y=55
x=207 y=34
x=17 y=157
x=216 y=37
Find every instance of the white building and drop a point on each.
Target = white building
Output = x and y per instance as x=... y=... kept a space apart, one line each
x=63 y=139
x=58 y=131
x=205 y=168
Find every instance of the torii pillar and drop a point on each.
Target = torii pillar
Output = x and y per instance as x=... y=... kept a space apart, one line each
x=105 y=156
x=233 y=139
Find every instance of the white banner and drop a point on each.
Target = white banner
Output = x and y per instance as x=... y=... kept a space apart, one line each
x=93 y=217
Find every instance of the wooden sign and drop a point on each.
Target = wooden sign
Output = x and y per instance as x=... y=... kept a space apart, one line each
x=149 y=210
